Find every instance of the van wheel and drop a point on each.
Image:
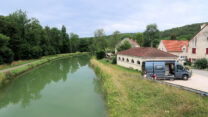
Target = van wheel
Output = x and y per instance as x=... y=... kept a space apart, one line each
x=185 y=77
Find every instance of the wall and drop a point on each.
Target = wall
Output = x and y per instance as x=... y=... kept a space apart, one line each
x=200 y=42
x=135 y=65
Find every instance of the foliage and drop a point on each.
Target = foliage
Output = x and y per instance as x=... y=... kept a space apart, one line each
x=24 y=38
x=201 y=63
x=6 y=54
x=100 y=54
x=150 y=34
x=126 y=45
x=99 y=40
x=187 y=62
x=114 y=60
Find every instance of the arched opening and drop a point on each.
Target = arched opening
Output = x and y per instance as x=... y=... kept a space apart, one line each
x=127 y=60
x=132 y=61
x=138 y=62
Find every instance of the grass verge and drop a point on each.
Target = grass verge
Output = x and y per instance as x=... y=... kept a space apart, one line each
x=128 y=95
x=6 y=77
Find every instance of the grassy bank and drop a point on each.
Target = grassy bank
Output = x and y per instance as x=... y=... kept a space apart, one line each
x=128 y=95
x=6 y=77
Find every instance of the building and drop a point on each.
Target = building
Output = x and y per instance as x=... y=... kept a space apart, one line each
x=133 y=58
x=131 y=41
x=198 y=45
x=176 y=47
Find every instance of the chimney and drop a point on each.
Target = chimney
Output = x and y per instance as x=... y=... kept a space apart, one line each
x=203 y=25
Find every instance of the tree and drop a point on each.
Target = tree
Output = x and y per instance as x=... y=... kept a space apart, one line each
x=126 y=45
x=172 y=37
x=99 y=40
x=114 y=39
x=139 y=37
x=150 y=34
x=66 y=41
x=74 y=41
x=6 y=54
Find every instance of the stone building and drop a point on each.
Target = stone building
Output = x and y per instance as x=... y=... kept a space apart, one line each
x=198 y=45
x=176 y=47
x=133 y=58
x=131 y=41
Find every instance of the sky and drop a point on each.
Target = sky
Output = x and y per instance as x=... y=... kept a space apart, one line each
x=83 y=17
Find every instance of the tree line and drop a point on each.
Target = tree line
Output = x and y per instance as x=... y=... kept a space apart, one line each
x=24 y=38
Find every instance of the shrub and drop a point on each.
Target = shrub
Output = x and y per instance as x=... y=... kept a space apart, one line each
x=100 y=54
x=114 y=60
x=187 y=62
x=201 y=63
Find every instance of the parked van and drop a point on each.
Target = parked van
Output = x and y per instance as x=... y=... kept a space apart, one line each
x=165 y=70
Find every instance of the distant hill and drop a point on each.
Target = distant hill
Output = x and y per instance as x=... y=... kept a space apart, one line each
x=182 y=33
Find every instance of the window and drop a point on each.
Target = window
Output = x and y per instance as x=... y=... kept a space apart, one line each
x=193 y=50
x=184 y=49
x=138 y=62
x=179 y=67
x=127 y=60
x=132 y=61
x=122 y=59
x=119 y=58
x=159 y=67
x=206 y=50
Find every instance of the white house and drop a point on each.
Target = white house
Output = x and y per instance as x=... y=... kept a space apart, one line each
x=178 y=48
x=131 y=41
x=133 y=58
x=198 y=45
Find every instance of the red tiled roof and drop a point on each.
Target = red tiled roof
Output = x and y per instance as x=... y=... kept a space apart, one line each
x=174 y=45
x=146 y=52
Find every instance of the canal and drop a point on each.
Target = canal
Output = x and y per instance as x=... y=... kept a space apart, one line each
x=63 y=88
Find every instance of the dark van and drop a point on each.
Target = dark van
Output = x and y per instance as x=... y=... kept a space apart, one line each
x=165 y=70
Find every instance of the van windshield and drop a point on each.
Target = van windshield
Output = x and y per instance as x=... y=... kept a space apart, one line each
x=180 y=67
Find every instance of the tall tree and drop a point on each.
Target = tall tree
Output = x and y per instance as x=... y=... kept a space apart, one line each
x=114 y=39
x=6 y=54
x=99 y=40
x=150 y=34
x=74 y=42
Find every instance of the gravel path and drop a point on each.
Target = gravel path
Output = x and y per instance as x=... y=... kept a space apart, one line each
x=9 y=69
x=199 y=80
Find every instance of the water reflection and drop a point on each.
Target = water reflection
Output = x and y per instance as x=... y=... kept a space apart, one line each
x=28 y=87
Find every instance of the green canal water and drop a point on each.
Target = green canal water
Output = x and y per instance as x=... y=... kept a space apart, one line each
x=62 y=88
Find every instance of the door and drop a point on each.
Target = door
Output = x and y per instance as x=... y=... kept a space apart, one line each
x=159 y=69
x=179 y=71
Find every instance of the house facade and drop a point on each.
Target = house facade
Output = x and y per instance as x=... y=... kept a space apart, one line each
x=198 y=45
x=131 y=41
x=134 y=57
x=178 y=48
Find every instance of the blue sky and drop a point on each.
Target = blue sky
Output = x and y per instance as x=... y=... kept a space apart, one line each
x=83 y=17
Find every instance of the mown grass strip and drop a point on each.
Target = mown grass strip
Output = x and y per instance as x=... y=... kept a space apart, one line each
x=128 y=95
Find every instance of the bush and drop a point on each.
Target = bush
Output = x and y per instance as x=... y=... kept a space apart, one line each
x=100 y=54
x=201 y=63
x=187 y=62
x=114 y=60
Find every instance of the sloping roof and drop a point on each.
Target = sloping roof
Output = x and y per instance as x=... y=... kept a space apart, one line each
x=134 y=42
x=146 y=52
x=200 y=31
x=131 y=41
x=174 y=45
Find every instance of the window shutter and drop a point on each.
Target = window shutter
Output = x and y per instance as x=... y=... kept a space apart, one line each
x=206 y=50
